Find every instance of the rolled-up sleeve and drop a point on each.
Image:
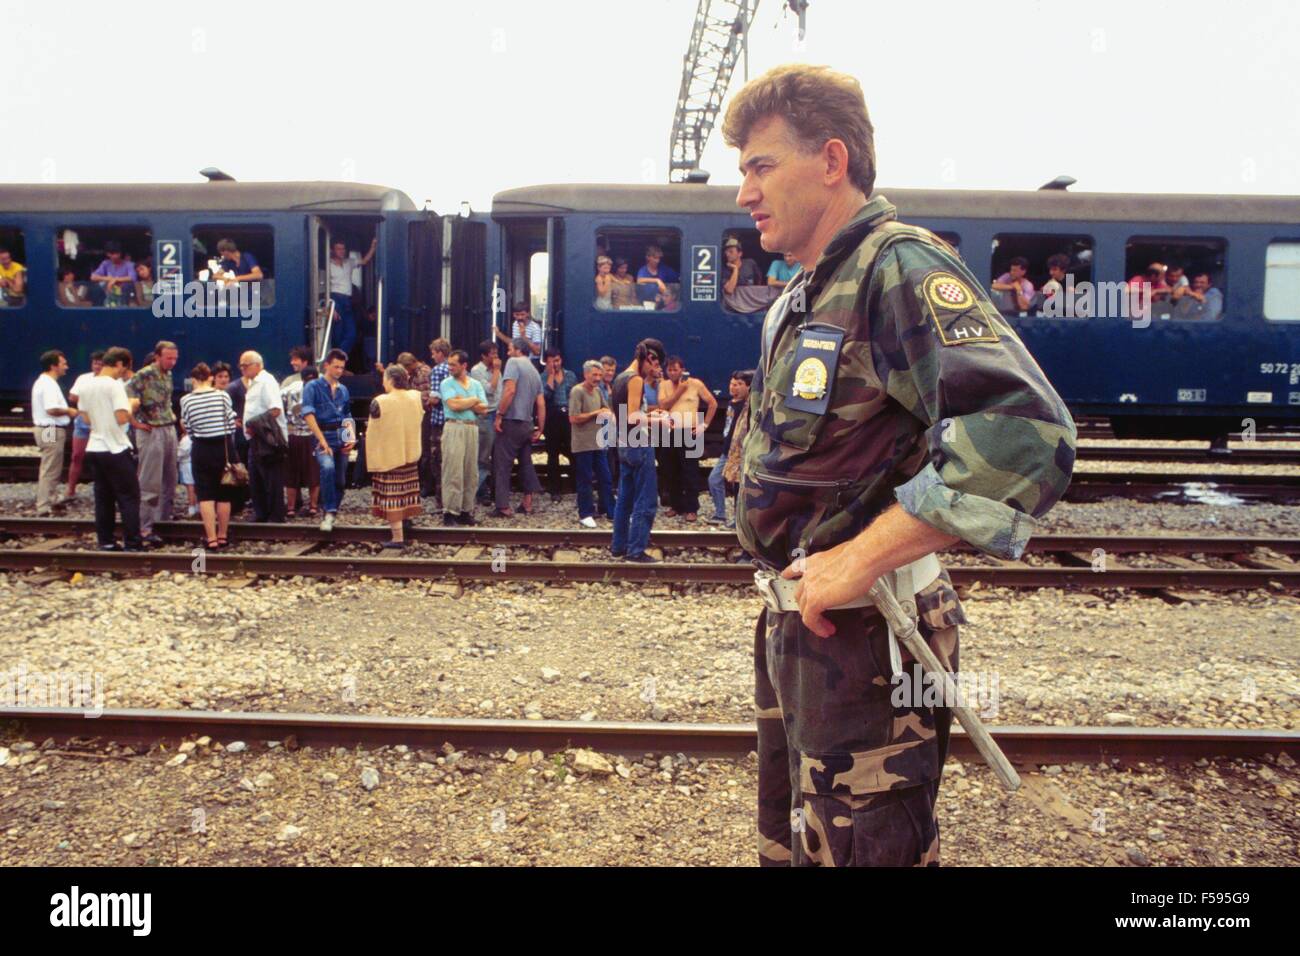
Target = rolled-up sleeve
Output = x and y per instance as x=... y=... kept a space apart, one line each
x=310 y=394
x=1000 y=442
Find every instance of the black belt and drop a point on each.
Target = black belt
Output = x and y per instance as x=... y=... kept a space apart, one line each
x=330 y=428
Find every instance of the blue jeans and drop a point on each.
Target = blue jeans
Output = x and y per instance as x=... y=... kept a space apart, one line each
x=333 y=473
x=584 y=463
x=718 y=489
x=347 y=324
x=638 y=499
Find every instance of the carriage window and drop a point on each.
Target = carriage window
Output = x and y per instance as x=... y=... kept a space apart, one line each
x=1182 y=278
x=1042 y=275
x=951 y=238
x=638 y=269
x=751 y=279
x=107 y=266
x=1282 y=282
x=13 y=268
x=234 y=254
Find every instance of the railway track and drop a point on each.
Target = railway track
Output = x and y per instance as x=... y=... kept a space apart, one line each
x=22 y=438
x=1085 y=486
x=1026 y=745
x=1078 y=561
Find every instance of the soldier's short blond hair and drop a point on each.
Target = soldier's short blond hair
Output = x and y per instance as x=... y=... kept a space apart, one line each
x=819 y=104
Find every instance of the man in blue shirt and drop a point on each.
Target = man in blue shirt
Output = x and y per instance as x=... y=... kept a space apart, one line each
x=1201 y=301
x=657 y=273
x=782 y=271
x=325 y=404
x=242 y=265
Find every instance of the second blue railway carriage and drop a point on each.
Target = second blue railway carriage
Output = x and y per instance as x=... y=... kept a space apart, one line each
x=1170 y=376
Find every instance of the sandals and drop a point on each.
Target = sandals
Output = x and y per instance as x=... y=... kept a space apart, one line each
x=214 y=544
x=222 y=544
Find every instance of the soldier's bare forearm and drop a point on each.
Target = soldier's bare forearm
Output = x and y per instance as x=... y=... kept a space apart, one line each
x=894 y=539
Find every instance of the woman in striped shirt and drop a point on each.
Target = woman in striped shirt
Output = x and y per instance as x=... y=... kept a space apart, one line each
x=209 y=419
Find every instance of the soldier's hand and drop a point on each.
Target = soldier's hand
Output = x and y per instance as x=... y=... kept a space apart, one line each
x=826 y=579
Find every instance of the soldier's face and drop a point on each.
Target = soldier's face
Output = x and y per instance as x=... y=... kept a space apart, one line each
x=783 y=189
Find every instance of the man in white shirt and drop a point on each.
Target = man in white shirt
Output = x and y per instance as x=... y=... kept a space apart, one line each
x=51 y=416
x=265 y=471
x=343 y=266
x=81 y=427
x=104 y=401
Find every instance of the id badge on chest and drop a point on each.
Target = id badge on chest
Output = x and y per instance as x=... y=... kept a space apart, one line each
x=815 y=356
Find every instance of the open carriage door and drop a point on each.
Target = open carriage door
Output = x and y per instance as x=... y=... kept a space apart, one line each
x=466 y=320
x=319 y=306
x=554 y=312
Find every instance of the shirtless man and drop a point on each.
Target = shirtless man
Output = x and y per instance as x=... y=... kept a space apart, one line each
x=680 y=395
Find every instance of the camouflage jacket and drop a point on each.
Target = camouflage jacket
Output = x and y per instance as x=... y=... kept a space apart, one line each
x=933 y=402
x=153 y=387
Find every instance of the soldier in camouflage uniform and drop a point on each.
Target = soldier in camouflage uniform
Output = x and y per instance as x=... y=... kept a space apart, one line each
x=892 y=414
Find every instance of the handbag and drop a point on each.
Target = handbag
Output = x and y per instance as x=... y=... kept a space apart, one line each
x=235 y=474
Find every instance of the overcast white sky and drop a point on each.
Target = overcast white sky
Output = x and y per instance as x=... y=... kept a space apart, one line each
x=451 y=101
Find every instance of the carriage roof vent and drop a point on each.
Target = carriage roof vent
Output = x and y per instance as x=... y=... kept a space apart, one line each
x=1060 y=182
x=215 y=175
x=697 y=175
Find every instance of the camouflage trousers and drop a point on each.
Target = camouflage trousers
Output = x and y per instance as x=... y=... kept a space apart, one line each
x=845 y=777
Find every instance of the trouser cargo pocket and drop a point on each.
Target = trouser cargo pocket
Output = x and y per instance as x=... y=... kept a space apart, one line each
x=882 y=828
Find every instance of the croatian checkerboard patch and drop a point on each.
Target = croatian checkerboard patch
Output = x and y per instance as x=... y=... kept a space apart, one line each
x=958 y=317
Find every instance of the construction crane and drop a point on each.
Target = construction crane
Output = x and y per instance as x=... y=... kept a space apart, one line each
x=719 y=38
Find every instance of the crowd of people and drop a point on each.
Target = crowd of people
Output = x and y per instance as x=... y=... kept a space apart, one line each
x=1160 y=285
x=452 y=429
x=118 y=280
x=657 y=285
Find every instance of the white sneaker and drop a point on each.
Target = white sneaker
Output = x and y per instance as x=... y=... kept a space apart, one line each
x=588 y=522
x=327 y=522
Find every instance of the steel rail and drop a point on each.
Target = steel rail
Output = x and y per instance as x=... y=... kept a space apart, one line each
x=1000 y=575
x=1023 y=744
x=489 y=536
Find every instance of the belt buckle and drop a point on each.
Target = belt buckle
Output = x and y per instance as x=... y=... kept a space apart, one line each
x=763 y=581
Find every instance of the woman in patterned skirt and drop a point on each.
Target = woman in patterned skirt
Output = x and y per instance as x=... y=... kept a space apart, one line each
x=393 y=452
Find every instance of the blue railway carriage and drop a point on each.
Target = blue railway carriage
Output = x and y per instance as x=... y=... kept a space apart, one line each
x=60 y=234
x=1156 y=364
